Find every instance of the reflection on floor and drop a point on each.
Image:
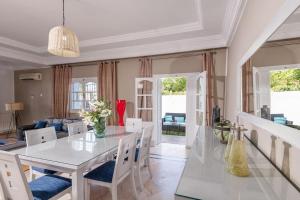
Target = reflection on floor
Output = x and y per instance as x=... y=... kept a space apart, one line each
x=167 y=163
x=173 y=139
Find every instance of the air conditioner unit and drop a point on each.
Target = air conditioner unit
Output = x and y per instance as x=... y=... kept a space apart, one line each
x=31 y=76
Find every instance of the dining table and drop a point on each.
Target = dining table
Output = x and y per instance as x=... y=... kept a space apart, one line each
x=73 y=155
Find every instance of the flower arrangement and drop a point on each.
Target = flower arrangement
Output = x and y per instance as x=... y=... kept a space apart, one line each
x=100 y=110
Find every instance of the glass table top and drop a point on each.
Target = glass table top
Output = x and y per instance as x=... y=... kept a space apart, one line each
x=205 y=176
x=76 y=149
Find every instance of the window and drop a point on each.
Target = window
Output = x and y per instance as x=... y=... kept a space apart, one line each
x=83 y=91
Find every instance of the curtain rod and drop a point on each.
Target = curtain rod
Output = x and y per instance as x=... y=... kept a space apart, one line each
x=154 y=57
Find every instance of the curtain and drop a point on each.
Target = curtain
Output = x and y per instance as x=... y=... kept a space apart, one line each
x=211 y=88
x=144 y=101
x=247 y=87
x=62 y=78
x=107 y=84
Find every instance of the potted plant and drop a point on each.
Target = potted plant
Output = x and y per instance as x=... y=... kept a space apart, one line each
x=100 y=110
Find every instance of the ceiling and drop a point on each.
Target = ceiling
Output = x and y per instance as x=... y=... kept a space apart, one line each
x=113 y=29
x=289 y=29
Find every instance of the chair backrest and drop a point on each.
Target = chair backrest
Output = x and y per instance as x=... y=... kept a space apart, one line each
x=77 y=128
x=145 y=144
x=13 y=181
x=38 y=136
x=134 y=125
x=125 y=157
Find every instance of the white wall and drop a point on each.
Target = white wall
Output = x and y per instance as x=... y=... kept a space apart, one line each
x=173 y=104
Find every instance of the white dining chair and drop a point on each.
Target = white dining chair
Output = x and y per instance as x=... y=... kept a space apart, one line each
x=113 y=172
x=14 y=185
x=134 y=125
x=142 y=156
x=38 y=136
x=77 y=128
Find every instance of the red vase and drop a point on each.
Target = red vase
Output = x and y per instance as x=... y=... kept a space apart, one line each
x=121 y=106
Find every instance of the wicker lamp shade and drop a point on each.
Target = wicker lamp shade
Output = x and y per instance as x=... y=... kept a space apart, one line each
x=63 y=42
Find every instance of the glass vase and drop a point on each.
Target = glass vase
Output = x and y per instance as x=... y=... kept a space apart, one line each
x=237 y=161
x=228 y=147
x=99 y=127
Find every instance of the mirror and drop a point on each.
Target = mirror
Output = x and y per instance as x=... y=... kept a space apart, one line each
x=271 y=77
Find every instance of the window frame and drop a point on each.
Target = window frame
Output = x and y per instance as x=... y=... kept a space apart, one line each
x=81 y=81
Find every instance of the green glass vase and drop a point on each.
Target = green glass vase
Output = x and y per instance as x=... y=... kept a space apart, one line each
x=99 y=127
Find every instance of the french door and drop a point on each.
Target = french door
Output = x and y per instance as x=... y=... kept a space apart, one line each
x=148 y=103
x=195 y=105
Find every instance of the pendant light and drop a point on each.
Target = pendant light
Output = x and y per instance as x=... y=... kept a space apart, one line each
x=63 y=41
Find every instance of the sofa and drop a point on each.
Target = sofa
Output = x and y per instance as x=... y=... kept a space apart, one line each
x=174 y=122
x=60 y=125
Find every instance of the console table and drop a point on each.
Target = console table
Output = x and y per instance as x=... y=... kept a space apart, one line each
x=205 y=176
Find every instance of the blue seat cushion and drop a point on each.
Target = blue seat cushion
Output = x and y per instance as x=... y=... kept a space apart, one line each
x=102 y=173
x=44 y=171
x=48 y=186
x=137 y=151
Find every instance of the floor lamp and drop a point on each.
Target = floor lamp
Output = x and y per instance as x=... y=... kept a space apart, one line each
x=14 y=109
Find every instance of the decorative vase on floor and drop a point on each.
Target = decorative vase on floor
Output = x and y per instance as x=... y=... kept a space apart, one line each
x=121 y=106
x=99 y=127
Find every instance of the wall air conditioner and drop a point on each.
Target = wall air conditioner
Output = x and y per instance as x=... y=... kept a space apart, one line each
x=31 y=76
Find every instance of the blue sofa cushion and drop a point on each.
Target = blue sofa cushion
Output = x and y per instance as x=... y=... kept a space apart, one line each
x=40 y=124
x=180 y=119
x=2 y=142
x=58 y=126
x=168 y=118
x=102 y=173
x=44 y=171
x=48 y=186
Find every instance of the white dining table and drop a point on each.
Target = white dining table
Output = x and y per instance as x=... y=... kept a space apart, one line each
x=74 y=154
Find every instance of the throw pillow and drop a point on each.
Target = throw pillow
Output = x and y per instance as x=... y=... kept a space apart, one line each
x=57 y=126
x=168 y=118
x=179 y=119
x=40 y=124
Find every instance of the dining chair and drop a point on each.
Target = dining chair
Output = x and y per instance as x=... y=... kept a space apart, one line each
x=77 y=128
x=134 y=125
x=142 y=156
x=14 y=184
x=113 y=172
x=38 y=136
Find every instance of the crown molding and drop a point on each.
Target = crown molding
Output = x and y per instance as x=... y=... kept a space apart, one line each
x=172 y=30
x=286 y=31
x=233 y=15
x=21 y=55
x=215 y=41
x=19 y=45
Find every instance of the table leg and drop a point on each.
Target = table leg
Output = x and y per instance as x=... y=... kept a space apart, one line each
x=77 y=185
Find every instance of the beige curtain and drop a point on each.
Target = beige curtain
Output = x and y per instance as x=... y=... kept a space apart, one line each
x=62 y=78
x=211 y=88
x=247 y=87
x=107 y=84
x=145 y=102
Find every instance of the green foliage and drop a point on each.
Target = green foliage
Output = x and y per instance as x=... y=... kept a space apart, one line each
x=174 y=86
x=285 y=80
